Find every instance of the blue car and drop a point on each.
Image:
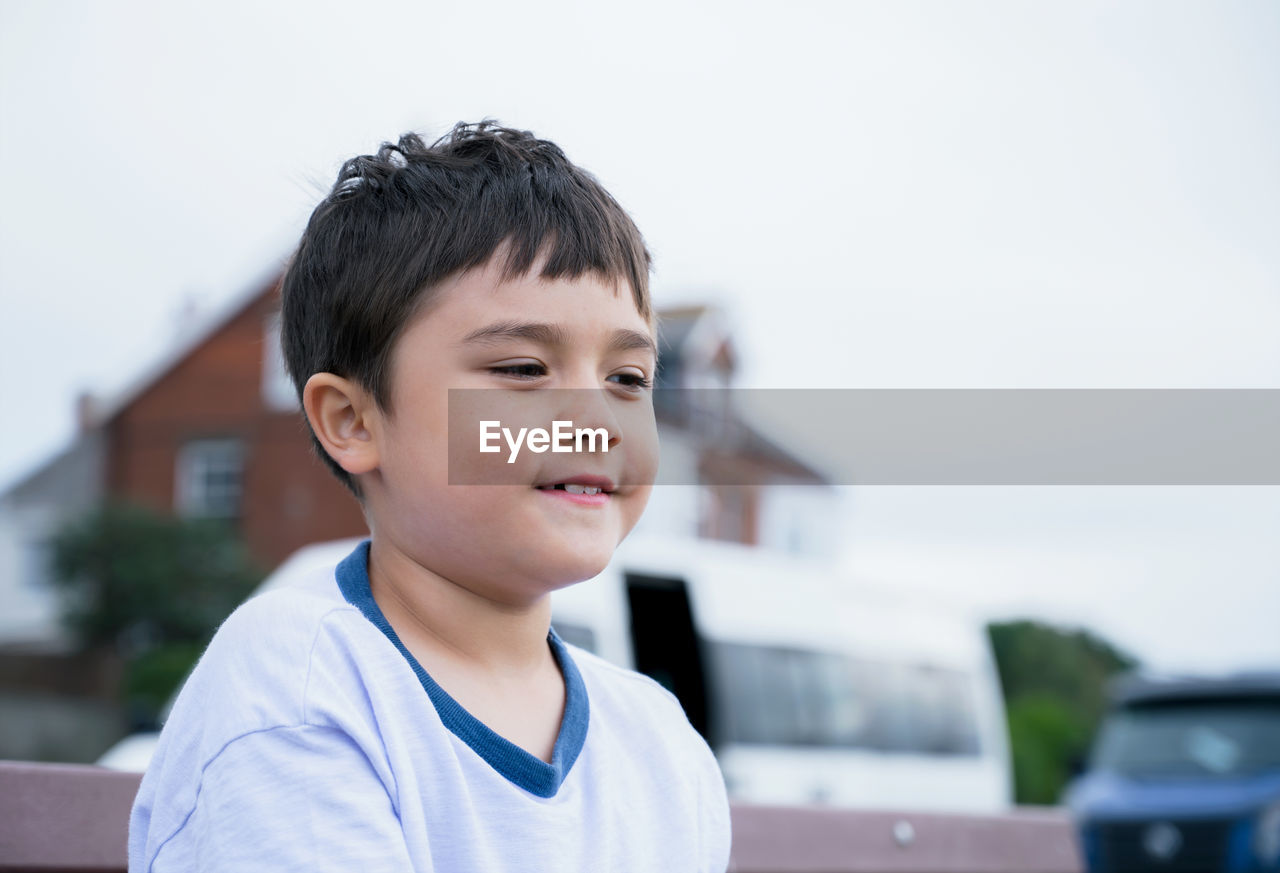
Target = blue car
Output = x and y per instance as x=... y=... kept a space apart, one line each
x=1184 y=778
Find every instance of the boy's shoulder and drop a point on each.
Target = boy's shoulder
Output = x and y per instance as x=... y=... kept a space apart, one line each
x=280 y=628
x=301 y=603
x=262 y=668
x=637 y=719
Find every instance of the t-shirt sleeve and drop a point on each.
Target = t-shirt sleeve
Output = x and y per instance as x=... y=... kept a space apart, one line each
x=286 y=798
x=714 y=826
x=715 y=820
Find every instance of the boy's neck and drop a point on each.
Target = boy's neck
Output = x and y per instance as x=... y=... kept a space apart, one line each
x=461 y=624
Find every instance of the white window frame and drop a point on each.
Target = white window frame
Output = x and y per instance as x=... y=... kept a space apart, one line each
x=210 y=478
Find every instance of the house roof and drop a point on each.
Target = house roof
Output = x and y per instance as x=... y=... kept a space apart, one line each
x=80 y=452
x=675 y=325
x=105 y=409
x=695 y=335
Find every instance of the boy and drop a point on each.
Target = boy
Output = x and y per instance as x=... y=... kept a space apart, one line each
x=412 y=709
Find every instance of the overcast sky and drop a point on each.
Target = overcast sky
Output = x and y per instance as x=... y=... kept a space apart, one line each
x=894 y=194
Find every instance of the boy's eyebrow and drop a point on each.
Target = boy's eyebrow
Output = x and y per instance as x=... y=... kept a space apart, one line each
x=621 y=340
x=625 y=340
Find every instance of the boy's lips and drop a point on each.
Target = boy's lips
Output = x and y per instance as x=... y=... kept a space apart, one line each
x=583 y=490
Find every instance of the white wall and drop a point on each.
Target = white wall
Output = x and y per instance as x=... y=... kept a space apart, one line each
x=30 y=512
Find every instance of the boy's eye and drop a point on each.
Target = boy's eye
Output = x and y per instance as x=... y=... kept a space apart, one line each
x=521 y=371
x=633 y=381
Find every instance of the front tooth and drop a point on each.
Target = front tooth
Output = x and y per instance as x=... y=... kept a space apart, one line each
x=580 y=489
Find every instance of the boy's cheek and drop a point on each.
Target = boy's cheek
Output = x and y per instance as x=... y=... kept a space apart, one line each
x=639 y=446
x=639 y=499
x=488 y=437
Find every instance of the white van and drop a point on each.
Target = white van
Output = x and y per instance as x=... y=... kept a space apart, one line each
x=810 y=687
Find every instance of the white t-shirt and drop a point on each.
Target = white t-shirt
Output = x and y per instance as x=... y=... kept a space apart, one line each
x=309 y=739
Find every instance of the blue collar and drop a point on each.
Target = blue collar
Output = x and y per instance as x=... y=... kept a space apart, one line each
x=518 y=766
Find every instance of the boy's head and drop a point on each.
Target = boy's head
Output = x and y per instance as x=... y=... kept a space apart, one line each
x=399 y=222
x=412 y=263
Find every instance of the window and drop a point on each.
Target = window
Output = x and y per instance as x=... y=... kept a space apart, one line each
x=1192 y=739
x=36 y=568
x=797 y=697
x=210 y=478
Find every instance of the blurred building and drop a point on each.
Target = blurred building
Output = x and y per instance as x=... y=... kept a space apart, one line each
x=213 y=430
x=721 y=476
x=210 y=430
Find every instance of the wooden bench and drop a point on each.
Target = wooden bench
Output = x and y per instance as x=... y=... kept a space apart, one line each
x=74 y=819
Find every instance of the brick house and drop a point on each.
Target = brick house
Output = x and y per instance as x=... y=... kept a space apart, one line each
x=213 y=429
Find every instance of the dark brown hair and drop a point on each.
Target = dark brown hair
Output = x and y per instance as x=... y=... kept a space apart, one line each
x=397 y=223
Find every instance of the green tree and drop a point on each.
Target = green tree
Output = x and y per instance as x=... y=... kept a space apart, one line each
x=151 y=587
x=1054 y=684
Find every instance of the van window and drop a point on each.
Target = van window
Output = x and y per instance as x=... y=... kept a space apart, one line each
x=1192 y=738
x=798 y=697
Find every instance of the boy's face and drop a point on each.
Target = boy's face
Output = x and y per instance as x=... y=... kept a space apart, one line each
x=515 y=542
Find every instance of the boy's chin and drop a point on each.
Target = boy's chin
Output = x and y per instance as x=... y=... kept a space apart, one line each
x=567 y=566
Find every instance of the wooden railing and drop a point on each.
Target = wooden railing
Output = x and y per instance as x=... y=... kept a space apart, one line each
x=768 y=839
x=74 y=819
x=64 y=817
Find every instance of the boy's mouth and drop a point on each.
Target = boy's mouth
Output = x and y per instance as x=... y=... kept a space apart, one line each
x=585 y=485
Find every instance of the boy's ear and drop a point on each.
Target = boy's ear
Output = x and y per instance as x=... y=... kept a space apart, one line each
x=344 y=418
